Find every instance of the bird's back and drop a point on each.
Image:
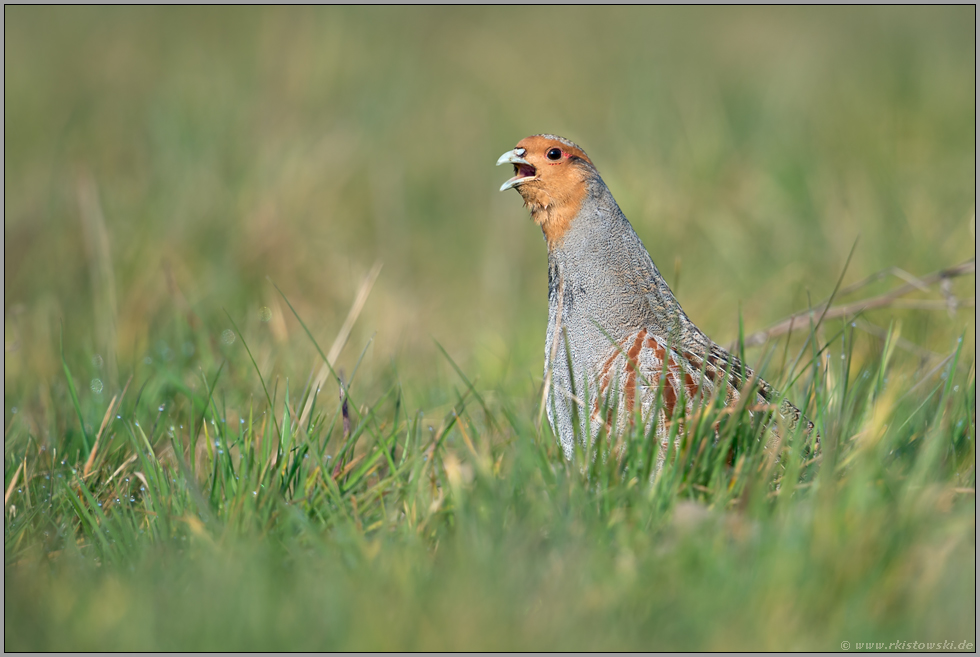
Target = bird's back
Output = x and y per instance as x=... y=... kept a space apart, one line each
x=631 y=349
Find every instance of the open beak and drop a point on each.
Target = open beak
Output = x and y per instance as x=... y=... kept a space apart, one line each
x=523 y=170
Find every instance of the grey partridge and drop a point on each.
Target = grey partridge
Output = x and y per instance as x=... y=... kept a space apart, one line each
x=629 y=342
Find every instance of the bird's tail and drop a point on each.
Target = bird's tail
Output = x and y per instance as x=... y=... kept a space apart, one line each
x=792 y=416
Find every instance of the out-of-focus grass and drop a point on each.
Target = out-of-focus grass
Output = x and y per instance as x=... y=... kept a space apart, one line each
x=471 y=531
x=161 y=164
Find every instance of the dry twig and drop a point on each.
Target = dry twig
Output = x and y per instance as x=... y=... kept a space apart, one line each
x=888 y=299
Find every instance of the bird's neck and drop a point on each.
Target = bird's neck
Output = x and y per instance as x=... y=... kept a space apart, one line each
x=600 y=256
x=554 y=219
x=555 y=208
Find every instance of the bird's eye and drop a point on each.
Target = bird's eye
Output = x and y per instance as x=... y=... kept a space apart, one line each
x=554 y=154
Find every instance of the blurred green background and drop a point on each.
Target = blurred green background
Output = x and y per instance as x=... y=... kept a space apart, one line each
x=163 y=166
x=750 y=148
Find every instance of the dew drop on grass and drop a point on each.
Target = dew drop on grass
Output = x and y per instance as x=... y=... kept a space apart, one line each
x=265 y=314
x=165 y=351
x=162 y=407
x=96 y=386
x=228 y=336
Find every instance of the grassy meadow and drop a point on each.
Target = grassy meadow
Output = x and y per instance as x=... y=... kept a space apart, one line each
x=273 y=340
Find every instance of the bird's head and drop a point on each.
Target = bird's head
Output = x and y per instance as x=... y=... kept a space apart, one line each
x=551 y=174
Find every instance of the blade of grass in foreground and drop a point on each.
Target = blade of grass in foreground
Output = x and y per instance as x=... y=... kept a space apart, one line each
x=73 y=392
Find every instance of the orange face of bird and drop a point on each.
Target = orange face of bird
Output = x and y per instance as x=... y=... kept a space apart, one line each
x=551 y=174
